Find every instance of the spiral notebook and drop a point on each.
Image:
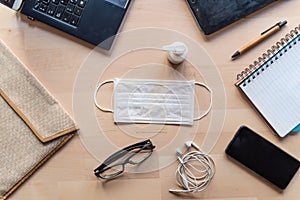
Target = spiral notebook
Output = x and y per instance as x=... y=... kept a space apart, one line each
x=272 y=84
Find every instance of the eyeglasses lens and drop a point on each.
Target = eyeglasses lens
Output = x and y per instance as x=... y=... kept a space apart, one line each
x=139 y=157
x=112 y=171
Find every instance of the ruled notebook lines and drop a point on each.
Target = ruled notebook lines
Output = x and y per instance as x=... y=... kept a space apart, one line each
x=274 y=88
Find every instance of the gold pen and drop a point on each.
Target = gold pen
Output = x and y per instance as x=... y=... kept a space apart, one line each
x=259 y=39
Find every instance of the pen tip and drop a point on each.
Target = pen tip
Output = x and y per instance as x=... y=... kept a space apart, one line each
x=236 y=54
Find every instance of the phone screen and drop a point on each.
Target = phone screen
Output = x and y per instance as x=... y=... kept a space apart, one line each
x=262 y=157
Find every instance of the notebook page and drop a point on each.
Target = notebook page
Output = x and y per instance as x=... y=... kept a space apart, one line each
x=274 y=88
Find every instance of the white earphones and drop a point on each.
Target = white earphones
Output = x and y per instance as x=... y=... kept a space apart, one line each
x=195 y=170
x=190 y=144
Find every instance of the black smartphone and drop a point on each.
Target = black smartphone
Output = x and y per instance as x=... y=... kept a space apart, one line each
x=261 y=156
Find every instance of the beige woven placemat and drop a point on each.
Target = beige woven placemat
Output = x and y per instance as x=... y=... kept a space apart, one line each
x=33 y=125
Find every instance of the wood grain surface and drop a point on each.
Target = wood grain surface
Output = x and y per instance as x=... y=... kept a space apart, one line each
x=56 y=58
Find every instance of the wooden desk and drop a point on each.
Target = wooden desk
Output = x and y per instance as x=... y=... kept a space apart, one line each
x=55 y=60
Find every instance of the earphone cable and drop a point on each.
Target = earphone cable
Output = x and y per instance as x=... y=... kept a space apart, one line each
x=194 y=173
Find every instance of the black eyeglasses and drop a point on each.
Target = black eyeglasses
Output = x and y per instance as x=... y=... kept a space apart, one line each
x=134 y=154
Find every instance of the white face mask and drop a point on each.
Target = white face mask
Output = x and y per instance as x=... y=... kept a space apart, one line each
x=153 y=101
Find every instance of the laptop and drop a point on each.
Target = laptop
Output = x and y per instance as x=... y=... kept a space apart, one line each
x=213 y=16
x=94 y=21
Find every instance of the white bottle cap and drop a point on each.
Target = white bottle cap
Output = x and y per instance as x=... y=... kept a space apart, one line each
x=177 y=52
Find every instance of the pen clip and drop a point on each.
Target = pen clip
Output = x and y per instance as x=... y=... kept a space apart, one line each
x=269 y=28
x=279 y=24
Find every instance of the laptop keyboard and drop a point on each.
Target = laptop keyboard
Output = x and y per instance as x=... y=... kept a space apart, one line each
x=68 y=11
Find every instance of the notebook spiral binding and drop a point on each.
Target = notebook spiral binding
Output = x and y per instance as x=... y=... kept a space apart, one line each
x=269 y=53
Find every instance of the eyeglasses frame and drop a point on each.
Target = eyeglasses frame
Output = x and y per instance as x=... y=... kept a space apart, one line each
x=141 y=146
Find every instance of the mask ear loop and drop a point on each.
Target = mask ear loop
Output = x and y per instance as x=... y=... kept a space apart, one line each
x=211 y=100
x=95 y=96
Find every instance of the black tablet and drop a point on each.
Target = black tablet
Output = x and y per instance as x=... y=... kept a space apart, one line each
x=213 y=15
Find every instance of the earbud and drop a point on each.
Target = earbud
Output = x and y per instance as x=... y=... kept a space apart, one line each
x=179 y=155
x=189 y=144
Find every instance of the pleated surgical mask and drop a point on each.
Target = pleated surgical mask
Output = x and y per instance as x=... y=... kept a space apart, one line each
x=153 y=101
